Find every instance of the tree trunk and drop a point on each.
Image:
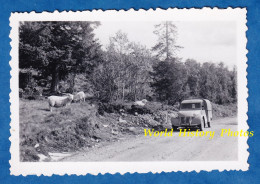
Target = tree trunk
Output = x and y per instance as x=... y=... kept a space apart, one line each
x=55 y=79
x=167 y=42
x=123 y=95
x=117 y=91
x=135 y=87
x=72 y=82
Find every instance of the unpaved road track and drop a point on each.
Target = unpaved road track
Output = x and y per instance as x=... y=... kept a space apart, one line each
x=173 y=148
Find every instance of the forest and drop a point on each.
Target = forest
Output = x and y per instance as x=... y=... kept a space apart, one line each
x=66 y=57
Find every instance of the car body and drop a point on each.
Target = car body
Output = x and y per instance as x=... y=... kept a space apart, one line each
x=193 y=113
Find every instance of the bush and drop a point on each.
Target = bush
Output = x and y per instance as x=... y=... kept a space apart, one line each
x=21 y=93
x=29 y=154
x=151 y=108
x=140 y=110
x=54 y=136
x=222 y=111
x=115 y=107
x=31 y=93
x=37 y=91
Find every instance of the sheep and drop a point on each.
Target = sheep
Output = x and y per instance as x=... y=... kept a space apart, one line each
x=80 y=96
x=59 y=101
x=141 y=103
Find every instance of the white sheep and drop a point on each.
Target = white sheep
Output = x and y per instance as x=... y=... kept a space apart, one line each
x=141 y=103
x=59 y=101
x=80 y=96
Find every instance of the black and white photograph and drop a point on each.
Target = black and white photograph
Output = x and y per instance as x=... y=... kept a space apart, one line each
x=129 y=90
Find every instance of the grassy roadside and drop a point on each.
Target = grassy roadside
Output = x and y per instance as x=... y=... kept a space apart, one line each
x=79 y=125
x=222 y=111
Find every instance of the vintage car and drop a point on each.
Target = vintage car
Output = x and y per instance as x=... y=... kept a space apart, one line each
x=193 y=113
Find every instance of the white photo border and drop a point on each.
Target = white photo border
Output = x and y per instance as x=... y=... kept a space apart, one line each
x=83 y=168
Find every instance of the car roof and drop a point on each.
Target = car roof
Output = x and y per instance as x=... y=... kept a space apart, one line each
x=192 y=101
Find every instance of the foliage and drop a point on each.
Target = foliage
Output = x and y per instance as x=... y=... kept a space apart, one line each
x=174 y=81
x=67 y=57
x=124 y=74
x=166 y=45
x=222 y=111
x=57 y=49
x=169 y=81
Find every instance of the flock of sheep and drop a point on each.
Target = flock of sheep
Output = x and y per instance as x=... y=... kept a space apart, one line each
x=60 y=101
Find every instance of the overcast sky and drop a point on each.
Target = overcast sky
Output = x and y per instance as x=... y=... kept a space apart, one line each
x=203 y=41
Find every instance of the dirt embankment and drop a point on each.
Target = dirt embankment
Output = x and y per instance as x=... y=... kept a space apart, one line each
x=77 y=126
x=80 y=125
x=173 y=148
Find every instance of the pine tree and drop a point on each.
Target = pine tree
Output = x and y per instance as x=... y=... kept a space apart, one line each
x=166 y=44
x=169 y=81
x=56 y=49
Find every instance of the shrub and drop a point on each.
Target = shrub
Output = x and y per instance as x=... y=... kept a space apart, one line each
x=114 y=107
x=21 y=92
x=221 y=111
x=28 y=154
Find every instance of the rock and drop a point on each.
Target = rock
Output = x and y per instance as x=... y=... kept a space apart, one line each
x=114 y=132
x=132 y=129
x=93 y=140
x=122 y=120
x=42 y=157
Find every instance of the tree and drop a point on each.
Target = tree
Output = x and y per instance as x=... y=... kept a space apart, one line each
x=104 y=82
x=118 y=51
x=193 y=77
x=174 y=81
x=224 y=80
x=208 y=81
x=217 y=83
x=232 y=88
x=166 y=45
x=57 y=49
x=169 y=81
x=124 y=72
x=139 y=73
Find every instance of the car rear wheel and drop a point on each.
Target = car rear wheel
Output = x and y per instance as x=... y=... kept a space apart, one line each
x=175 y=128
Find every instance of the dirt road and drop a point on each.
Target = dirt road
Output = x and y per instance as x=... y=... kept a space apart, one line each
x=175 y=148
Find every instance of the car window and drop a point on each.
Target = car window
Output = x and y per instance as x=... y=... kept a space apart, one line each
x=190 y=106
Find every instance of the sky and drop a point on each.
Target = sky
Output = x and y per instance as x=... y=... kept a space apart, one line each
x=204 y=41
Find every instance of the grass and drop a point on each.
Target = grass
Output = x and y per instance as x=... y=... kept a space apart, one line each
x=222 y=111
x=79 y=125
x=64 y=129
